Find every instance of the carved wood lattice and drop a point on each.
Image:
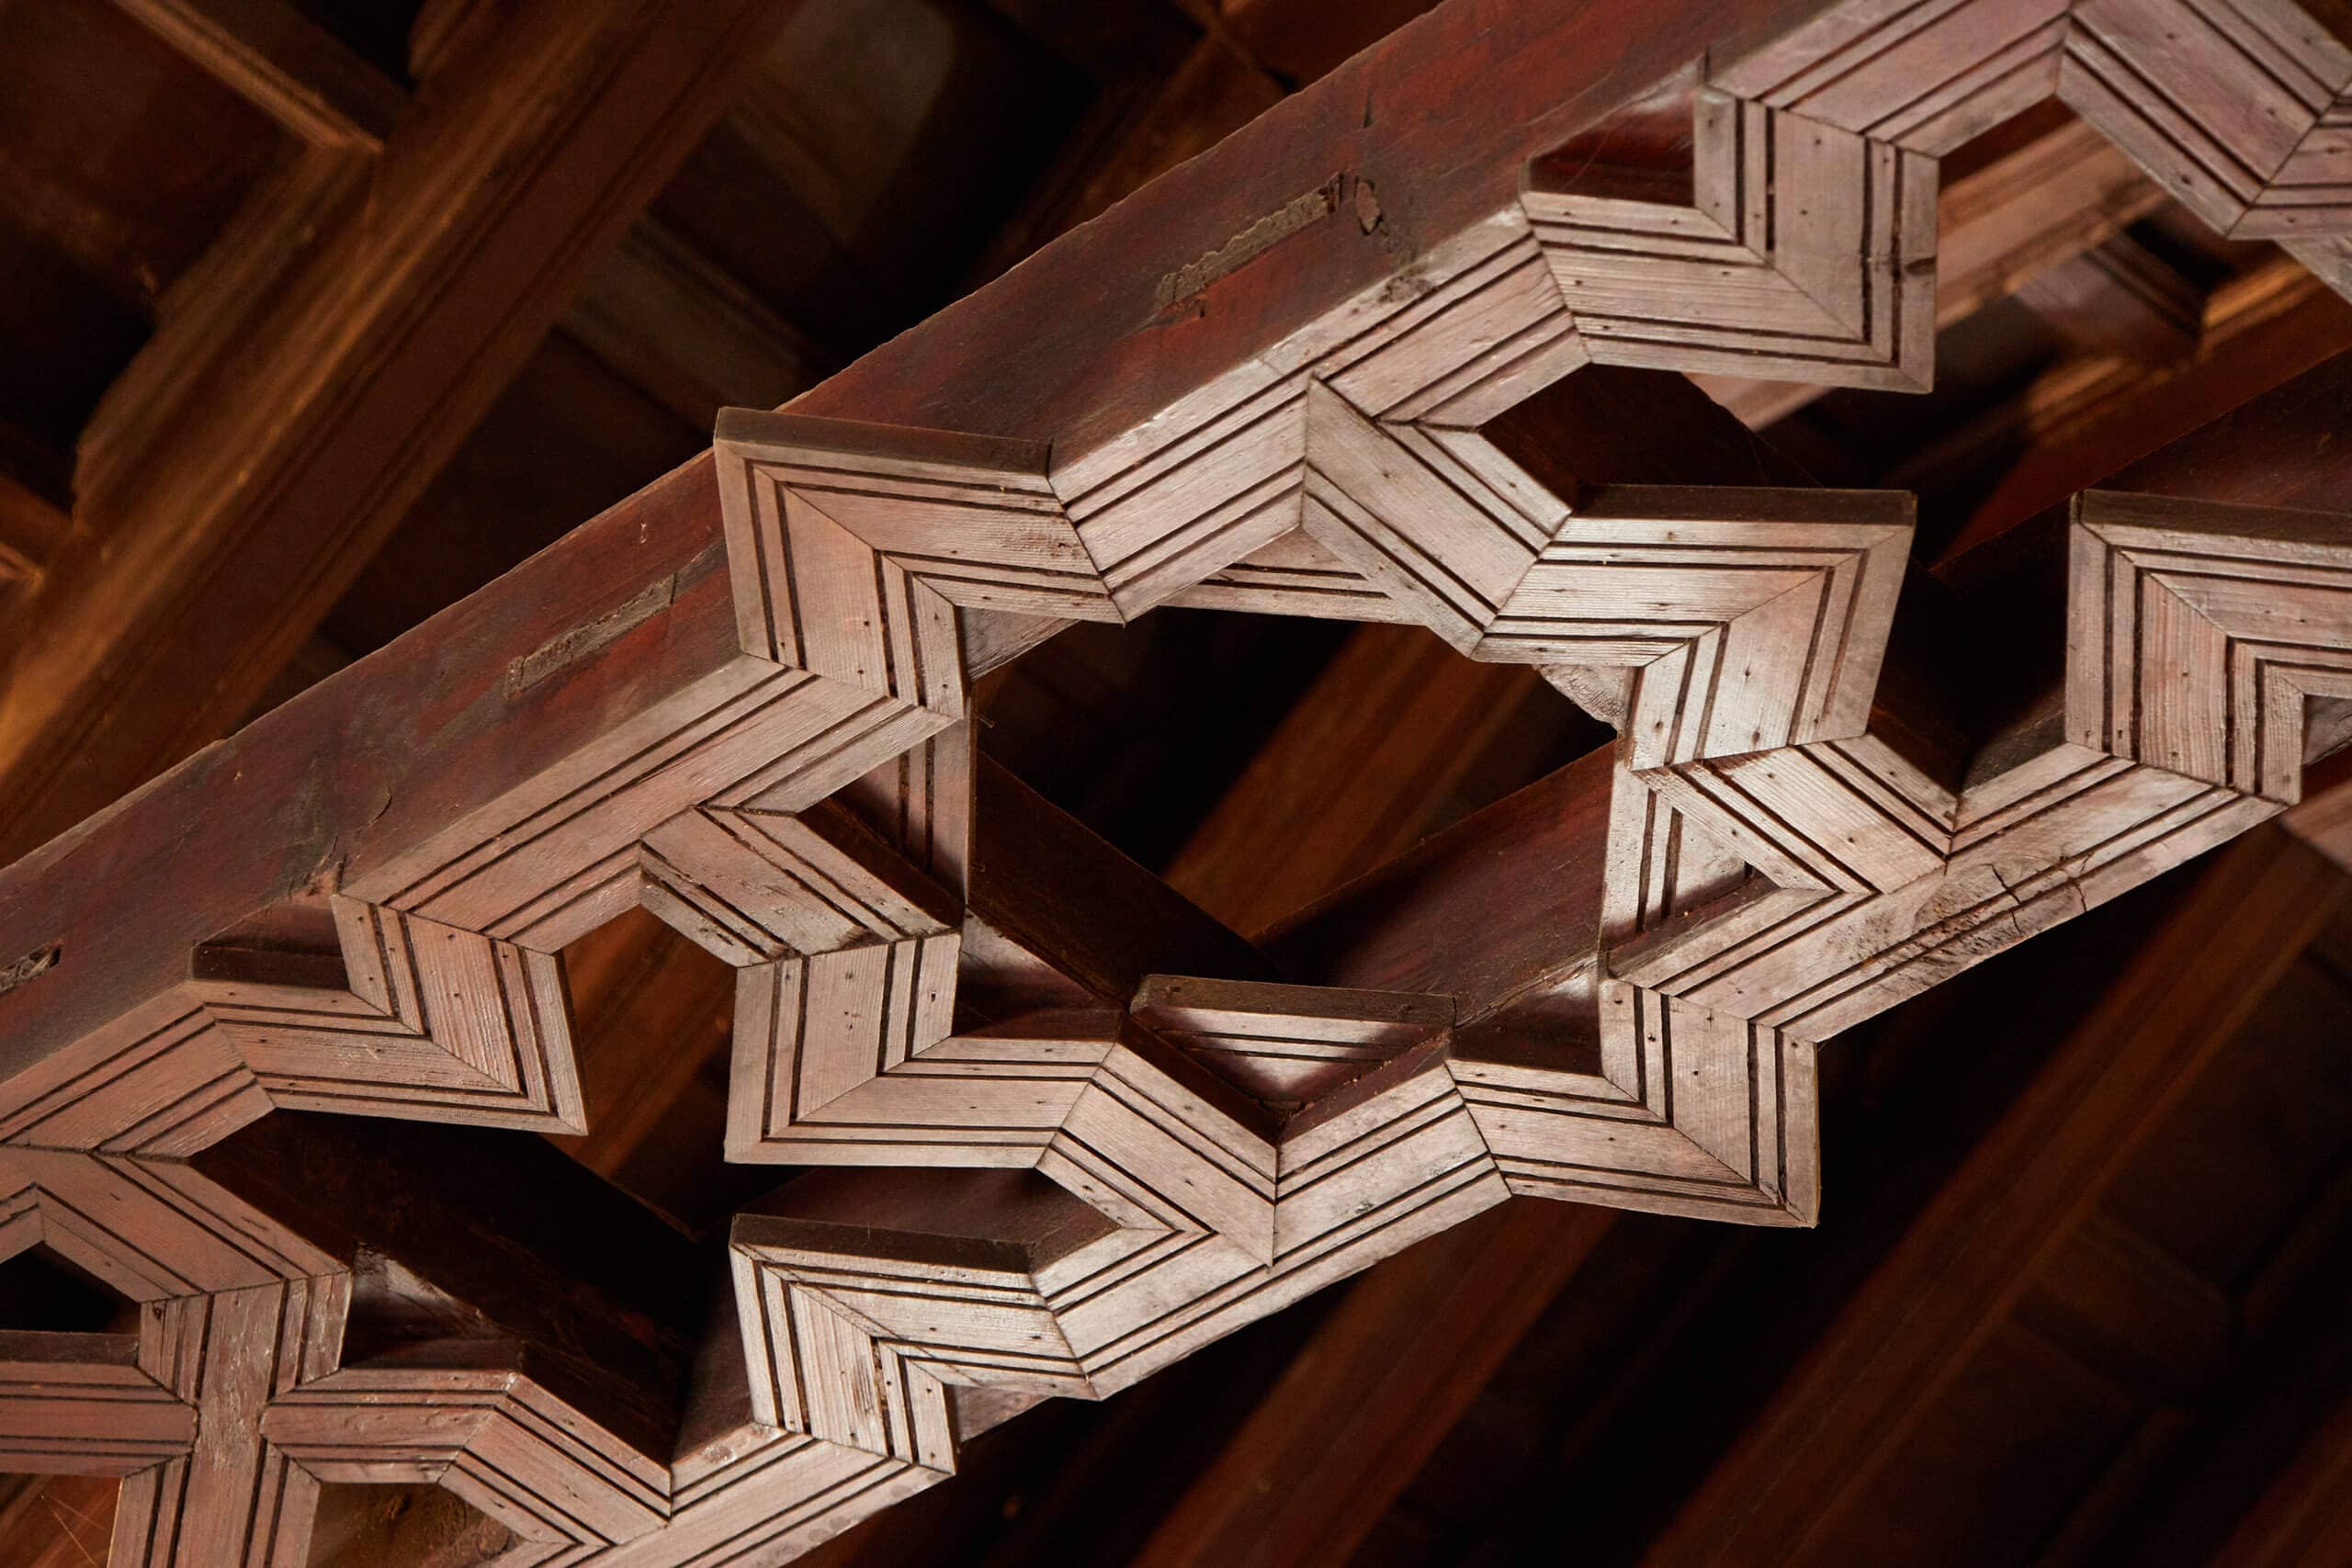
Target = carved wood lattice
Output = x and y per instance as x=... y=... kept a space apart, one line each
x=356 y=906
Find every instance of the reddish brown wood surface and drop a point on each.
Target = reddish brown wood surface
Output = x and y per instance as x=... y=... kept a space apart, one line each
x=1306 y=374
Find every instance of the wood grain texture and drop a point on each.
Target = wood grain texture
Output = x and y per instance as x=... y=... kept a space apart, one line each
x=1806 y=252
x=2181 y=726
x=1066 y=1127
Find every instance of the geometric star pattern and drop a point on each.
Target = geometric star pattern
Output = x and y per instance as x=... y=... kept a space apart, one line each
x=1169 y=1130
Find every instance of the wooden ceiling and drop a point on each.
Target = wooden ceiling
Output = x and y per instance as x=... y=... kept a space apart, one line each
x=322 y=315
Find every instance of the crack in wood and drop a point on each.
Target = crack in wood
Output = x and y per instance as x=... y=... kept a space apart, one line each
x=31 y=967
x=1190 y=281
x=560 y=652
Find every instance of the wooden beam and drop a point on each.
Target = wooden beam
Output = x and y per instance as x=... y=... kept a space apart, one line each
x=1374 y=1391
x=2122 y=298
x=57 y=1521
x=2029 y=208
x=279 y=455
x=1971 y=1256
x=1411 y=715
x=673 y=323
x=1136 y=129
x=35 y=509
x=1304 y=40
x=31 y=526
x=2092 y=418
x=654 y=712
x=2306 y=1517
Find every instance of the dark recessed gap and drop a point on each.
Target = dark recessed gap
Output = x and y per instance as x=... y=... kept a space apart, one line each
x=913 y=182
x=652 y=1019
x=44 y=1293
x=1951 y=445
x=1138 y=730
x=2002 y=660
x=476 y=1233
x=1017 y=1209
x=1554 y=1026
x=378 y=31
x=2014 y=134
x=2206 y=260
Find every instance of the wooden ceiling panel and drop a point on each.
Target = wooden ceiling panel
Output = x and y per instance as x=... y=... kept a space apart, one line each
x=886 y=140
x=121 y=161
x=119 y=147
x=558 y=864
x=566 y=434
x=57 y=316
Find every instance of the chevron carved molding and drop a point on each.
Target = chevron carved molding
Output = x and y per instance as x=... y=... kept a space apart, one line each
x=1061 y=1127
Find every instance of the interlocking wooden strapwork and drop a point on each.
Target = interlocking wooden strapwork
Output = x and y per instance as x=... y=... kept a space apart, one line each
x=738 y=701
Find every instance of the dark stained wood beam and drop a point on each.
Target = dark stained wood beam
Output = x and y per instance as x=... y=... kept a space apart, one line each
x=2124 y=298
x=1303 y=39
x=31 y=526
x=1936 y=1300
x=57 y=1521
x=2306 y=1517
x=1375 y=1390
x=1145 y=122
x=674 y=323
x=283 y=450
x=1136 y=129
x=1411 y=715
x=2092 y=419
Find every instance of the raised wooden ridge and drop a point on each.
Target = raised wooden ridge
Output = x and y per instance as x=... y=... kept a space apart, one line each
x=740 y=701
